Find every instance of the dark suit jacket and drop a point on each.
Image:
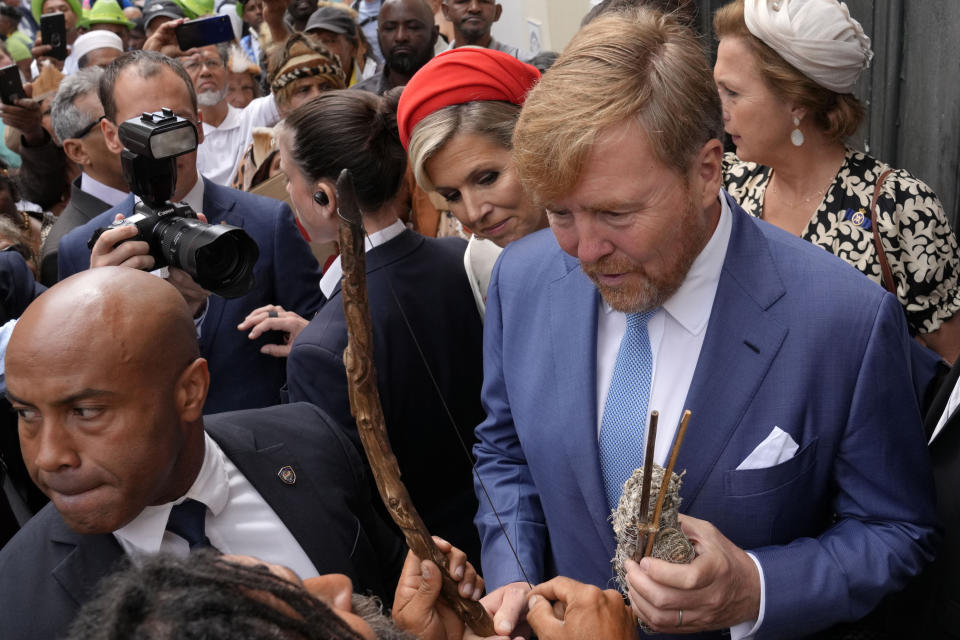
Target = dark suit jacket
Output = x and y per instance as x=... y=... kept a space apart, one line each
x=286 y=274
x=82 y=208
x=48 y=571
x=17 y=286
x=930 y=608
x=797 y=339
x=422 y=279
x=17 y=290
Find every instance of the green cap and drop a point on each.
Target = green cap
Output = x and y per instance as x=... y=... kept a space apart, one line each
x=107 y=12
x=36 y=7
x=196 y=8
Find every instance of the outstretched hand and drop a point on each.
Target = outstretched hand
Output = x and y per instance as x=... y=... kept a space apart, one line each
x=164 y=39
x=564 y=609
x=417 y=606
x=272 y=317
x=508 y=606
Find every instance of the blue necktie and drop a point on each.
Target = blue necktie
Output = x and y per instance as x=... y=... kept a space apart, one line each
x=188 y=520
x=624 y=425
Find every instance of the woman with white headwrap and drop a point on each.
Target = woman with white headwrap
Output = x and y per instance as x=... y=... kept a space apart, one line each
x=786 y=71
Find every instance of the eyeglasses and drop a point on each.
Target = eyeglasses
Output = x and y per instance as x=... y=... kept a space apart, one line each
x=210 y=63
x=87 y=129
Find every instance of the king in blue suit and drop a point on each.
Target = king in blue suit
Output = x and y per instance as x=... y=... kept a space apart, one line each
x=286 y=272
x=791 y=345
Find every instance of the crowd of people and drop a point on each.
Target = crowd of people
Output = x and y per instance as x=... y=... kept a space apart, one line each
x=555 y=247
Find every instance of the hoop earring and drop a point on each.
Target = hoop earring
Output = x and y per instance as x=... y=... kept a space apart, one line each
x=796 y=136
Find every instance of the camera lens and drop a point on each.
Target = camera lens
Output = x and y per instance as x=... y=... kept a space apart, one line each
x=219 y=258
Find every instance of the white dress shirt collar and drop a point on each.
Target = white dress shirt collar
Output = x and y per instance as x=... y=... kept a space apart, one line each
x=194 y=197
x=97 y=189
x=328 y=283
x=211 y=487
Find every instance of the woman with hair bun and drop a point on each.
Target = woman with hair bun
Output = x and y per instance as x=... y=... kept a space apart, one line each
x=456 y=119
x=426 y=331
x=786 y=72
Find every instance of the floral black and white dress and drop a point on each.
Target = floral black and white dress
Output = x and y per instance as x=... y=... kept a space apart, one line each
x=916 y=236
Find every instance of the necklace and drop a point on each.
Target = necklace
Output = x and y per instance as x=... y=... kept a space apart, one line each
x=816 y=195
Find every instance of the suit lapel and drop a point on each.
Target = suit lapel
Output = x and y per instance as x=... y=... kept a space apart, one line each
x=261 y=465
x=93 y=557
x=86 y=205
x=740 y=344
x=939 y=404
x=573 y=336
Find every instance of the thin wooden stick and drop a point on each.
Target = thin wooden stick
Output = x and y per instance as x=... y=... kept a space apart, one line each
x=648 y=469
x=684 y=421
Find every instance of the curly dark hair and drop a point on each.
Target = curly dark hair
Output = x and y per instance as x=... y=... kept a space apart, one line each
x=204 y=597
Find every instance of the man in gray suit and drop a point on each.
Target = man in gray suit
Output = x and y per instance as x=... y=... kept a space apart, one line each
x=75 y=113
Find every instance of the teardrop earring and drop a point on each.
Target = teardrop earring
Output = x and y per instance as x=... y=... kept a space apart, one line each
x=796 y=136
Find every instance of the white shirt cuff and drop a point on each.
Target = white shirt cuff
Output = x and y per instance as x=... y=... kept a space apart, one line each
x=746 y=630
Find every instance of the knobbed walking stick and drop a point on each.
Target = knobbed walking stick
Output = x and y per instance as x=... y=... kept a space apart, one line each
x=368 y=413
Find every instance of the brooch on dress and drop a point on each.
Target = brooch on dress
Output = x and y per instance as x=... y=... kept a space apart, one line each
x=858 y=217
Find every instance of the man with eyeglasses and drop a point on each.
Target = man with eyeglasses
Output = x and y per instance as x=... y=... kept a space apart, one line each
x=244 y=377
x=227 y=131
x=75 y=114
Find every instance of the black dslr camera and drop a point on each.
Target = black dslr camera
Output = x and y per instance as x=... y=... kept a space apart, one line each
x=218 y=257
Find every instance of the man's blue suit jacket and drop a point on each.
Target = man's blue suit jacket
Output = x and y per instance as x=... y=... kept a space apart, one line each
x=796 y=339
x=49 y=571
x=286 y=274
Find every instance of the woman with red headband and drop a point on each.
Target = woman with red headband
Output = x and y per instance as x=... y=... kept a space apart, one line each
x=456 y=120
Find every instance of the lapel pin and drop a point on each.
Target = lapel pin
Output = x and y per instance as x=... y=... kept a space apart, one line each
x=287 y=475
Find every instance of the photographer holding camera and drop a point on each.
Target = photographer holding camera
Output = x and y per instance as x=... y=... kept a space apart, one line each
x=285 y=273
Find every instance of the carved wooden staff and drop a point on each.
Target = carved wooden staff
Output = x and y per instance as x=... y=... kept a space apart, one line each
x=366 y=408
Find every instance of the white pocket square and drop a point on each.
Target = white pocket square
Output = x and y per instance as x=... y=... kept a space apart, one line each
x=776 y=448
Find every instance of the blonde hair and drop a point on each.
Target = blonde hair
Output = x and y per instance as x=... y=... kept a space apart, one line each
x=488 y=118
x=837 y=115
x=639 y=64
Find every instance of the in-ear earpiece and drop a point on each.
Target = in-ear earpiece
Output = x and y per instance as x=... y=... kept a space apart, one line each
x=320 y=197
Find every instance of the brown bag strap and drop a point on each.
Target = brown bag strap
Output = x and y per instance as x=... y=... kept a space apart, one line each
x=888 y=282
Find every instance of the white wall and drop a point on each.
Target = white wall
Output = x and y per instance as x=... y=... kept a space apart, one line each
x=559 y=20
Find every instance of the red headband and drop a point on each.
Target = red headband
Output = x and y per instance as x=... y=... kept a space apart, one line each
x=467 y=74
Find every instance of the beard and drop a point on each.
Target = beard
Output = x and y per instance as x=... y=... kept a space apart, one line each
x=473 y=32
x=211 y=98
x=644 y=291
x=407 y=63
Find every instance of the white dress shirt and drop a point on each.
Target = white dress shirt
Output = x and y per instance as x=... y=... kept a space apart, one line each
x=330 y=279
x=97 y=189
x=222 y=148
x=239 y=521
x=676 y=333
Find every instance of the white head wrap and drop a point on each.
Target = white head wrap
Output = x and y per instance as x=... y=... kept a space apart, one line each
x=818 y=37
x=99 y=39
